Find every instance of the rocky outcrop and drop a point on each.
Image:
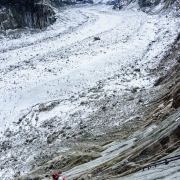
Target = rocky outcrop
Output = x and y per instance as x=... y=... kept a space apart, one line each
x=176 y=97
x=172 y=78
x=27 y=13
x=148 y=3
x=151 y=6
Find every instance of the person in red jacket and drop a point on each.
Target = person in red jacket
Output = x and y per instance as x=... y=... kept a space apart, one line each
x=56 y=176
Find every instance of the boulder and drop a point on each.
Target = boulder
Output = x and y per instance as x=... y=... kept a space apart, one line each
x=137 y=70
x=96 y=38
x=52 y=137
x=42 y=107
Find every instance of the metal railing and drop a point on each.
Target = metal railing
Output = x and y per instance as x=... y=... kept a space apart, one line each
x=163 y=161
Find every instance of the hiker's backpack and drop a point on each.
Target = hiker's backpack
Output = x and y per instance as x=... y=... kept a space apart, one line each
x=61 y=178
x=55 y=176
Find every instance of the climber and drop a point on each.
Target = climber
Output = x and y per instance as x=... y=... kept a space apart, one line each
x=56 y=176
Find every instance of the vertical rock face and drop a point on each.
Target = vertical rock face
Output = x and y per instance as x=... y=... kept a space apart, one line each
x=176 y=97
x=149 y=5
x=26 y=13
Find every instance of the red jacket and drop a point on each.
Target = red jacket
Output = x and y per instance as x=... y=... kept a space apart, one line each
x=56 y=176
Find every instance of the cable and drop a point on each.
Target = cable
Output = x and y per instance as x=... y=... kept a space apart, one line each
x=166 y=161
x=159 y=152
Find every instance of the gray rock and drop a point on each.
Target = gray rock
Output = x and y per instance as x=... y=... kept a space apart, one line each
x=96 y=38
x=52 y=137
x=20 y=14
x=42 y=107
x=130 y=98
x=178 y=59
x=147 y=3
x=133 y=90
x=5 y=145
x=137 y=70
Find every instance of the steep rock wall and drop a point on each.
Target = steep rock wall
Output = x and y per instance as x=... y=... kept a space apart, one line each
x=27 y=13
x=158 y=5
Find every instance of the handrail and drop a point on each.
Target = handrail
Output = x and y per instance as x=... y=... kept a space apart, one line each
x=163 y=161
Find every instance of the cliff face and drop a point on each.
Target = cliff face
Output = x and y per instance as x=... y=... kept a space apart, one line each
x=158 y=5
x=148 y=3
x=27 y=13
